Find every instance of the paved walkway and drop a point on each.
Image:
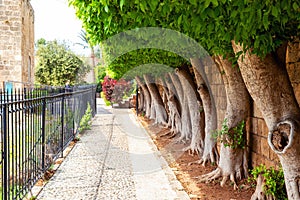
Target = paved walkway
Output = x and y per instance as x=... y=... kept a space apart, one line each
x=116 y=159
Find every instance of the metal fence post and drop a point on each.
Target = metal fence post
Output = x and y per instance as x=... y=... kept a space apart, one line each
x=43 y=132
x=62 y=125
x=5 y=148
x=137 y=100
x=95 y=105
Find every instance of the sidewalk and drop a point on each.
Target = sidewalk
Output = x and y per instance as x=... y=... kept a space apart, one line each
x=116 y=159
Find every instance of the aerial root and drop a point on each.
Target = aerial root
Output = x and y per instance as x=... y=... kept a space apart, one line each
x=181 y=140
x=217 y=173
x=211 y=176
x=212 y=157
x=201 y=161
x=166 y=134
x=194 y=162
x=233 y=180
x=172 y=135
x=192 y=151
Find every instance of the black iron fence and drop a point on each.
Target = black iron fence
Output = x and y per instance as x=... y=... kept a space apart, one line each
x=37 y=124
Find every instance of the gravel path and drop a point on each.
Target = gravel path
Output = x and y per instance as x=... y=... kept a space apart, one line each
x=116 y=159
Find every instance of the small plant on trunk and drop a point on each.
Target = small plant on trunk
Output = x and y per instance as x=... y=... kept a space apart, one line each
x=270 y=183
x=234 y=137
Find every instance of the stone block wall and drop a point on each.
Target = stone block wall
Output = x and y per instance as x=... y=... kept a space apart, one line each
x=16 y=41
x=260 y=151
x=217 y=89
x=293 y=67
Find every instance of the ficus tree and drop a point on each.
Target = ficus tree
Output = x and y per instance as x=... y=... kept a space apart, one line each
x=183 y=17
x=143 y=65
x=259 y=31
x=263 y=66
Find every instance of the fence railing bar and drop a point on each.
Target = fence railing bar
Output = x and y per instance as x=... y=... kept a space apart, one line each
x=5 y=180
x=37 y=125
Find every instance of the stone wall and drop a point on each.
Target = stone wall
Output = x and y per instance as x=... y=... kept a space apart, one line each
x=16 y=41
x=217 y=89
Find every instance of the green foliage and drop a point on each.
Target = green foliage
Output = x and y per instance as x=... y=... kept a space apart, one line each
x=274 y=181
x=107 y=103
x=261 y=25
x=100 y=74
x=231 y=137
x=134 y=63
x=56 y=64
x=85 y=122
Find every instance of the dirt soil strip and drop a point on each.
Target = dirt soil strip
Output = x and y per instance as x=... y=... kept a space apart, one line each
x=187 y=172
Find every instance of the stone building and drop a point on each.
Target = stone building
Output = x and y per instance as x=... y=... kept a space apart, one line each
x=16 y=41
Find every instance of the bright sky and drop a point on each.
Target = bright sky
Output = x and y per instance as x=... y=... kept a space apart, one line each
x=55 y=20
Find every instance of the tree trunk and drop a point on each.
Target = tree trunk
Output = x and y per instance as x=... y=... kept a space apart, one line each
x=269 y=85
x=157 y=102
x=174 y=107
x=147 y=97
x=210 y=144
x=178 y=90
x=141 y=101
x=186 y=127
x=164 y=94
x=259 y=193
x=196 y=114
x=233 y=161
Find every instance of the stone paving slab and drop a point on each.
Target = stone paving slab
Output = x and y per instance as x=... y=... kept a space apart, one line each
x=116 y=159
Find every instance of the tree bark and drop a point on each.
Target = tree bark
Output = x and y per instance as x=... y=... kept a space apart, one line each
x=157 y=102
x=141 y=101
x=233 y=161
x=269 y=85
x=196 y=114
x=164 y=95
x=259 y=193
x=210 y=152
x=174 y=107
x=147 y=97
x=185 y=129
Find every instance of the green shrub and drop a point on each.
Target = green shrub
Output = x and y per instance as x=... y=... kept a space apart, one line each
x=274 y=181
x=85 y=122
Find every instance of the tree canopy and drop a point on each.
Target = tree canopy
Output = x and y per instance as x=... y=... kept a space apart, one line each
x=57 y=64
x=261 y=25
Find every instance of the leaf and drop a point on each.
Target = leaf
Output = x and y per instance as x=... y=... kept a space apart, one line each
x=234 y=13
x=215 y=2
x=179 y=20
x=122 y=4
x=143 y=6
x=165 y=9
x=153 y=4
x=275 y=11
x=295 y=6
x=206 y=4
x=259 y=15
x=106 y=8
x=266 y=21
x=193 y=2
